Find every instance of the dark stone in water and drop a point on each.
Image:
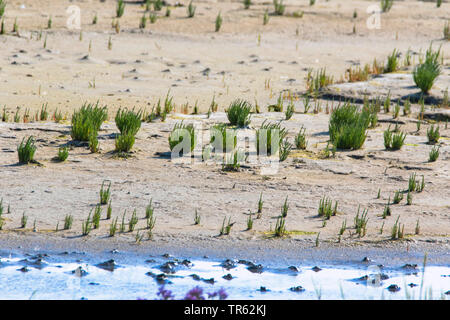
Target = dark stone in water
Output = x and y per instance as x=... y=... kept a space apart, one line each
x=195 y=277
x=94 y=284
x=109 y=265
x=412 y=285
x=410 y=266
x=228 y=277
x=297 y=289
x=263 y=289
x=366 y=259
x=211 y=281
x=293 y=268
x=23 y=269
x=393 y=288
x=114 y=251
x=80 y=272
x=366 y=277
x=187 y=263
x=38 y=263
x=316 y=269
x=255 y=268
x=246 y=262
x=448 y=292
x=168 y=267
x=150 y=260
x=228 y=264
x=166 y=255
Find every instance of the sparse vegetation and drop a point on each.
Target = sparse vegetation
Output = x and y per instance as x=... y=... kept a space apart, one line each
x=433 y=134
x=26 y=150
x=179 y=132
x=386 y=5
x=63 y=153
x=87 y=121
x=239 y=113
x=348 y=126
x=434 y=154
x=191 y=10
x=120 y=9
x=105 y=194
x=219 y=21
x=425 y=74
x=300 y=139
x=279 y=7
x=124 y=142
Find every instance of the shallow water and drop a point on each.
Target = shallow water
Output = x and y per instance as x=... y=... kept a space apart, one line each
x=50 y=279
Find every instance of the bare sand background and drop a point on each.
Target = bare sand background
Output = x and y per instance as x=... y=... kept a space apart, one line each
x=195 y=63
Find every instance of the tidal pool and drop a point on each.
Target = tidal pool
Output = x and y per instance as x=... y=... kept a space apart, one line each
x=66 y=277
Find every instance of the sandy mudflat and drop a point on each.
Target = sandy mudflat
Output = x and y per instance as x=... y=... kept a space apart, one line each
x=196 y=63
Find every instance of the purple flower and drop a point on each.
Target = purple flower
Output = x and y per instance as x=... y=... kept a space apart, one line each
x=195 y=293
x=165 y=294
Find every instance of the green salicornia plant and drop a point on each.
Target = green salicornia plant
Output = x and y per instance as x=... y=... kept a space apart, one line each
x=247 y=4
x=285 y=150
x=149 y=209
x=397 y=230
x=289 y=111
x=409 y=198
x=219 y=21
x=143 y=22
x=120 y=9
x=343 y=227
x=179 y=133
x=152 y=17
x=96 y=217
x=300 y=139
x=87 y=121
x=128 y=121
x=279 y=7
x=239 y=113
x=266 y=18
x=417 y=229
x=326 y=208
x=63 y=153
x=434 y=154
x=361 y=222
x=392 y=62
x=197 y=218
x=122 y=225
x=113 y=227
x=86 y=226
x=387 y=209
x=43 y=115
x=398 y=140
x=425 y=74
x=23 y=221
x=124 y=142
x=398 y=196
x=133 y=221
x=386 y=5
x=379 y=193
x=226 y=228
x=348 y=126
x=412 y=182
x=433 y=134
x=447 y=31
x=93 y=143
x=108 y=211
x=280 y=227
x=26 y=150
x=285 y=208
x=260 y=207
x=269 y=138
x=2 y=7
x=68 y=220
x=191 y=10
x=249 y=223
x=105 y=194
